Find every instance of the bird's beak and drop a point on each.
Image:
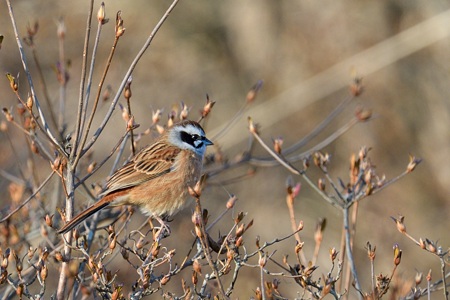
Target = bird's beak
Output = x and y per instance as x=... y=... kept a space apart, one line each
x=208 y=142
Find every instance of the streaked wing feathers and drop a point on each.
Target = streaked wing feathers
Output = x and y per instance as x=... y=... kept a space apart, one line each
x=151 y=162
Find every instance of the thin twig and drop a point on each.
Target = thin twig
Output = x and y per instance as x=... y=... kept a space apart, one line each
x=128 y=74
x=291 y=168
x=261 y=162
x=29 y=198
x=12 y=178
x=349 y=251
x=79 y=122
x=444 y=282
x=62 y=77
x=205 y=245
x=290 y=204
x=28 y=74
x=44 y=87
x=320 y=127
x=133 y=150
x=120 y=142
x=35 y=118
x=97 y=98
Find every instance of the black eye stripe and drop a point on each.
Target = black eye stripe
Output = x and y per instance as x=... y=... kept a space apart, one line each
x=192 y=139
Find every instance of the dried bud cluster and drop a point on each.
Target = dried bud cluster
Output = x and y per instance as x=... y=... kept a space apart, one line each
x=363 y=178
x=196 y=191
x=413 y=162
x=401 y=227
x=171 y=118
x=207 y=107
x=184 y=111
x=333 y=254
x=4 y=265
x=371 y=251
x=431 y=246
x=277 y=144
x=120 y=30
x=156 y=116
x=321 y=160
x=382 y=284
x=418 y=278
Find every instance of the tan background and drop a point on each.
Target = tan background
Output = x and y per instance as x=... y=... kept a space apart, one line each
x=223 y=47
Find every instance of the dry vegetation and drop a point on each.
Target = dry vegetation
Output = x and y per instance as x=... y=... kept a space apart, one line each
x=301 y=197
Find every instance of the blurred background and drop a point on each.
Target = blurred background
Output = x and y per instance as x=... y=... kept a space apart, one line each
x=307 y=53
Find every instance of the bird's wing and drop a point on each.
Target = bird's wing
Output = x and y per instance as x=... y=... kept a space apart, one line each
x=151 y=162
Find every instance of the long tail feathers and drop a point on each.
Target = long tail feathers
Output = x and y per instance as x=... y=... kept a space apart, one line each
x=83 y=216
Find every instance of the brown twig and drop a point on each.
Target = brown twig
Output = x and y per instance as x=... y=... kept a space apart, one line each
x=38 y=189
x=28 y=74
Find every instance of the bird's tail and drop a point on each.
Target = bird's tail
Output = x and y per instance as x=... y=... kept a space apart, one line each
x=83 y=216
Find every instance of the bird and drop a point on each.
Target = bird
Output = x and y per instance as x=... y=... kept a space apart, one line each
x=157 y=178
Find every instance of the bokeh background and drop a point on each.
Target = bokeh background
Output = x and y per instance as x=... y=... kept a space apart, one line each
x=306 y=52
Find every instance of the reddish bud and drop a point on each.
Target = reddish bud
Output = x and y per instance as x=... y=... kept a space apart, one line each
x=422 y=243
x=61 y=29
x=277 y=145
x=418 y=278
x=156 y=116
x=207 y=107
x=184 y=111
x=197 y=266
x=58 y=256
x=300 y=225
x=231 y=202
x=299 y=247
x=30 y=102
x=251 y=95
x=194 y=278
x=101 y=14
x=165 y=280
x=262 y=260
x=120 y=30
x=49 y=220
x=333 y=253
x=399 y=222
x=44 y=272
x=239 y=242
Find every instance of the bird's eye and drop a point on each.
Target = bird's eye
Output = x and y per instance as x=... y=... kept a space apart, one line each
x=195 y=137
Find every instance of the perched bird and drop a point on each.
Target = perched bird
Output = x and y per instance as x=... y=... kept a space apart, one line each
x=157 y=178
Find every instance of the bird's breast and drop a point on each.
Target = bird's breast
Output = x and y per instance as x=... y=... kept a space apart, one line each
x=167 y=194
